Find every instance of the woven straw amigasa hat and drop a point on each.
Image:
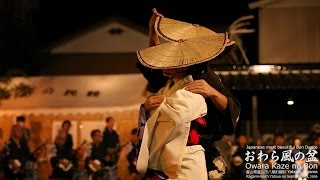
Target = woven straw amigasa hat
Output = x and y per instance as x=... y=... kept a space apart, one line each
x=174 y=30
x=187 y=45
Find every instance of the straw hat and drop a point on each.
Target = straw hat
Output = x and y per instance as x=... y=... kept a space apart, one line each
x=184 y=52
x=174 y=30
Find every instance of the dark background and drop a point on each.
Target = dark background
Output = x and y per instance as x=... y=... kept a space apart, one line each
x=29 y=27
x=60 y=17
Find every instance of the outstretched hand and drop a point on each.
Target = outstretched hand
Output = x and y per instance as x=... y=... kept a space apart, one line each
x=152 y=102
x=203 y=88
x=153 y=18
x=200 y=87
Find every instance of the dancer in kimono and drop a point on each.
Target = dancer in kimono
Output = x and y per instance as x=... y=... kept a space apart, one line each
x=166 y=133
x=223 y=107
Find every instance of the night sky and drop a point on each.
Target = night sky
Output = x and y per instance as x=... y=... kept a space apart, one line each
x=58 y=18
x=25 y=38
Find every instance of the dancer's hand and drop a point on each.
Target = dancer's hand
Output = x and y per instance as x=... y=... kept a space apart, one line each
x=203 y=88
x=200 y=87
x=153 y=18
x=152 y=102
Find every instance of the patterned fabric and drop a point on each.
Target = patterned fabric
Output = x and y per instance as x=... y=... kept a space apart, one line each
x=218 y=169
x=196 y=131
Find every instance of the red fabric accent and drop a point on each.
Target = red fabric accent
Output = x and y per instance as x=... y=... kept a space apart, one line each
x=202 y=121
x=194 y=134
x=194 y=137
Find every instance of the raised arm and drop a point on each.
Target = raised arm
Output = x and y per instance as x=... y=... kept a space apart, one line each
x=203 y=88
x=226 y=108
x=153 y=37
